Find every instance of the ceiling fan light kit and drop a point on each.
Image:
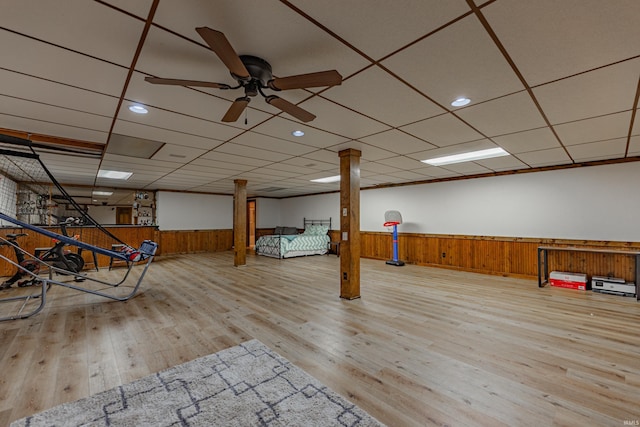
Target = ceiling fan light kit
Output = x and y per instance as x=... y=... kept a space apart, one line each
x=254 y=74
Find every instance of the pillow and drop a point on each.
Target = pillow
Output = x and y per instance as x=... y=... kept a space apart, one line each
x=290 y=230
x=316 y=230
x=278 y=230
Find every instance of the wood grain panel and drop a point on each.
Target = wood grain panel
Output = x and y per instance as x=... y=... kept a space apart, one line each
x=133 y=235
x=500 y=255
x=192 y=241
x=484 y=254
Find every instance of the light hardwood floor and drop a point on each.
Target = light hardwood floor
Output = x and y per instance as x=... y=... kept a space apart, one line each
x=423 y=346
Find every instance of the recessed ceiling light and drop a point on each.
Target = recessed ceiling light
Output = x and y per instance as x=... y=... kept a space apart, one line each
x=460 y=102
x=467 y=157
x=327 y=179
x=297 y=133
x=114 y=174
x=138 y=109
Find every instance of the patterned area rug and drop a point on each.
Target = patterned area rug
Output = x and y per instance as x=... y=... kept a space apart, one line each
x=246 y=385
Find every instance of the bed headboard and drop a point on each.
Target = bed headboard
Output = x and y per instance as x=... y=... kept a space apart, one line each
x=326 y=222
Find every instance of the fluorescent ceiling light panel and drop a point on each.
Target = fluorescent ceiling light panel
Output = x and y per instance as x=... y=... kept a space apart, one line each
x=114 y=174
x=327 y=179
x=102 y=193
x=467 y=157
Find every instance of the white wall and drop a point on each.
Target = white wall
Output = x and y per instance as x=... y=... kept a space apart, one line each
x=268 y=213
x=102 y=214
x=187 y=211
x=323 y=206
x=593 y=203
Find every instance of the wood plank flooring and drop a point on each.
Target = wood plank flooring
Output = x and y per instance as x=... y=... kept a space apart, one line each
x=423 y=346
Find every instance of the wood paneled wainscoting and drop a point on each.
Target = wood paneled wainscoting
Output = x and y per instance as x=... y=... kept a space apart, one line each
x=169 y=242
x=193 y=241
x=132 y=235
x=509 y=256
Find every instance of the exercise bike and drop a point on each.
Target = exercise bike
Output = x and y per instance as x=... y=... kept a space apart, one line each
x=29 y=265
x=63 y=260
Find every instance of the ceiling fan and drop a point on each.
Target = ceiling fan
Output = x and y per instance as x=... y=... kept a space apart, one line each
x=254 y=74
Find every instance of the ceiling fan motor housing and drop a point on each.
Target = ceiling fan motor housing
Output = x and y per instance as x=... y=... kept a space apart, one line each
x=258 y=68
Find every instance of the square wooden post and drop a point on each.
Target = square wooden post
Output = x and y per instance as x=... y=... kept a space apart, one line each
x=240 y=223
x=349 y=223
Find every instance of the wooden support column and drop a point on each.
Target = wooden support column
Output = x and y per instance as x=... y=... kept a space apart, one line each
x=349 y=223
x=240 y=223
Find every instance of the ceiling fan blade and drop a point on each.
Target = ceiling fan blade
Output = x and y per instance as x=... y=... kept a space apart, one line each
x=297 y=112
x=221 y=46
x=236 y=109
x=178 y=82
x=321 y=78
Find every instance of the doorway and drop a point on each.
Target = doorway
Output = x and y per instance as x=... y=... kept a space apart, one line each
x=251 y=223
x=124 y=215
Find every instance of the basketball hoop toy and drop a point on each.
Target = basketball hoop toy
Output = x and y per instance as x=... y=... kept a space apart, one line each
x=392 y=219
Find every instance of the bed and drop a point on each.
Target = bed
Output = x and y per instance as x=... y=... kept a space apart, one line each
x=286 y=242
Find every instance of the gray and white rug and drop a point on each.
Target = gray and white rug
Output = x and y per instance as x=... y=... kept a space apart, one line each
x=246 y=385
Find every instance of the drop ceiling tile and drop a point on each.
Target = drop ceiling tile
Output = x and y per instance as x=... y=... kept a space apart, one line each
x=379 y=95
x=549 y=157
x=600 y=150
x=102 y=32
x=281 y=127
x=117 y=162
x=467 y=168
x=369 y=153
x=397 y=141
x=139 y=130
x=251 y=152
x=259 y=141
x=176 y=153
x=437 y=172
x=30 y=88
x=407 y=176
x=52 y=114
x=325 y=156
x=62 y=66
x=634 y=146
x=340 y=120
x=549 y=39
x=592 y=94
x=504 y=115
x=229 y=159
x=503 y=163
x=596 y=129
x=46 y=128
x=377 y=168
x=271 y=31
x=442 y=131
x=139 y=8
x=375 y=30
x=532 y=140
x=307 y=163
x=402 y=162
x=460 y=60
